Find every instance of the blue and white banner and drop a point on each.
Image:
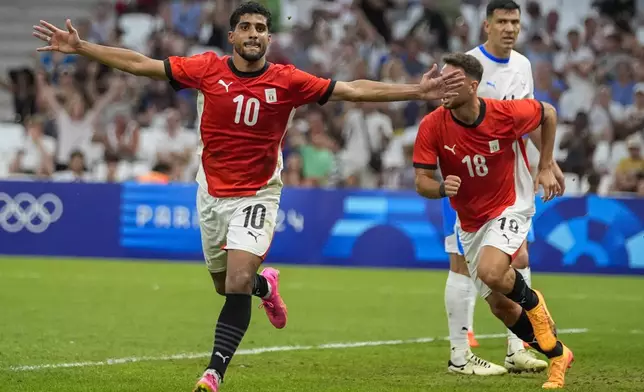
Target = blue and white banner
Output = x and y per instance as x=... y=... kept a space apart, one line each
x=314 y=226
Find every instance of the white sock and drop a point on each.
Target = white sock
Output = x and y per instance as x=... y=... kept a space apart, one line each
x=457 y=290
x=527 y=275
x=473 y=294
x=514 y=343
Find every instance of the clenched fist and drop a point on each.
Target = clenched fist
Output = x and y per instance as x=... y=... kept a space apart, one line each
x=451 y=184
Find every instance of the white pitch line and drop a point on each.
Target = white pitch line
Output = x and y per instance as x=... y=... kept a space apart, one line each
x=259 y=350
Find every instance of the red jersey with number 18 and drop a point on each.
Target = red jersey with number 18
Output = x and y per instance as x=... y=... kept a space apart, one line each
x=243 y=118
x=488 y=156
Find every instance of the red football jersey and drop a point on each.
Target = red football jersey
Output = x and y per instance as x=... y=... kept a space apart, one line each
x=244 y=117
x=488 y=156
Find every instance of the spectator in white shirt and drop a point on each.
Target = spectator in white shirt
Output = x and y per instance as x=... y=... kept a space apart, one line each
x=574 y=64
x=76 y=170
x=176 y=146
x=634 y=114
x=367 y=133
x=103 y=23
x=605 y=115
x=36 y=154
x=122 y=136
x=75 y=124
x=114 y=169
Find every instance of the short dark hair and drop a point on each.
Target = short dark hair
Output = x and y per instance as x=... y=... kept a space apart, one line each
x=77 y=154
x=468 y=63
x=507 y=5
x=250 y=7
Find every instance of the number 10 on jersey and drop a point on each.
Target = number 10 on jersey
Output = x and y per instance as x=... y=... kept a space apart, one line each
x=251 y=110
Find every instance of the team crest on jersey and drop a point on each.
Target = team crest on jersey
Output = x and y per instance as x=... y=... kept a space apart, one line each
x=494 y=146
x=271 y=95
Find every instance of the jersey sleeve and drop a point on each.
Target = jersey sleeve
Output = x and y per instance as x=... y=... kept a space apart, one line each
x=187 y=72
x=425 y=154
x=526 y=114
x=306 y=88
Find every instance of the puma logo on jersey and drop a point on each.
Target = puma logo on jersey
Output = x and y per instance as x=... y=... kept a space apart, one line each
x=506 y=237
x=224 y=84
x=223 y=358
x=451 y=148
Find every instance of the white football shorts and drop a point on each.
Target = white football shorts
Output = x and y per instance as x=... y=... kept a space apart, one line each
x=242 y=223
x=506 y=232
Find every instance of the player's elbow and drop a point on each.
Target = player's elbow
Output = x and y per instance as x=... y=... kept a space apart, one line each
x=145 y=66
x=549 y=112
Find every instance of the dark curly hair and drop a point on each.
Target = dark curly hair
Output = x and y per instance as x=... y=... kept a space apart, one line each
x=250 y=7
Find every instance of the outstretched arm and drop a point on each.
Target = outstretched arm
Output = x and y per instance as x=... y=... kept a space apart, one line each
x=432 y=86
x=123 y=59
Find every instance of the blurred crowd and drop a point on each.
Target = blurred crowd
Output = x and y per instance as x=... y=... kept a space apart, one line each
x=84 y=122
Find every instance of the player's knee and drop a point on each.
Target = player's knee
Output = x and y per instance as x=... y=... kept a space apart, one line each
x=457 y=264
x=240 y=282
x=492 y=277
x=493 y=268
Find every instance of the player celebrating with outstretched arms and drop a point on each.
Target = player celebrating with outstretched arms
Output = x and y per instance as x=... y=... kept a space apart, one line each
x=478 y=144
x=507 y=74
x=246 y=105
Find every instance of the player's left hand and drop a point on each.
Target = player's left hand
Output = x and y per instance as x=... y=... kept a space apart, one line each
x=435 y=85
x=548 y=181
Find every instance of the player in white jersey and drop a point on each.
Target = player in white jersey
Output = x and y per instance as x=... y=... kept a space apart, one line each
x=507 y=74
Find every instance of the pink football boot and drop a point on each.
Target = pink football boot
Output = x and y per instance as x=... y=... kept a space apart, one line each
x=209 y=382
x=274 y=305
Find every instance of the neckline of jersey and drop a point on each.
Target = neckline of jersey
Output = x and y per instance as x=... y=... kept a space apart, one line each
x=478 y=120
x=492 y=57
x=243 y=74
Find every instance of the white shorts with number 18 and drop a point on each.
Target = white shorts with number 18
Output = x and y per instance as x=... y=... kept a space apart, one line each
x=242 y=223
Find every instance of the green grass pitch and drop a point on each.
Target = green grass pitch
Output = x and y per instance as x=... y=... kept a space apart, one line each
x=56 y=312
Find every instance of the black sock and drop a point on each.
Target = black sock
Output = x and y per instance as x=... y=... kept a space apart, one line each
x=523 y=329
x=260 y=287
x=522 y=294
x=231 y=327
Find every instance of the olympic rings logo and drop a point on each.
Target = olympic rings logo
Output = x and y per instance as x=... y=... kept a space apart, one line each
x=26 y=212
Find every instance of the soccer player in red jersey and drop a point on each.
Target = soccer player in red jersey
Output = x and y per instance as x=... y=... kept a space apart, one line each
x=478 y=144
x=245 y=105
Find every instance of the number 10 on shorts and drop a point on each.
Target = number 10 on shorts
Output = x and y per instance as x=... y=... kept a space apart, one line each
x=511 y=224
x=255 y=216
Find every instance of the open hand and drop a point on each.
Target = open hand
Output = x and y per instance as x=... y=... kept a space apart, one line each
x=58 y=40
x=435 y=85
x=561 y=179
x=546 y=178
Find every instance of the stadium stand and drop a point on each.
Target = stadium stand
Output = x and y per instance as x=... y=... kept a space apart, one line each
x=587 y=58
